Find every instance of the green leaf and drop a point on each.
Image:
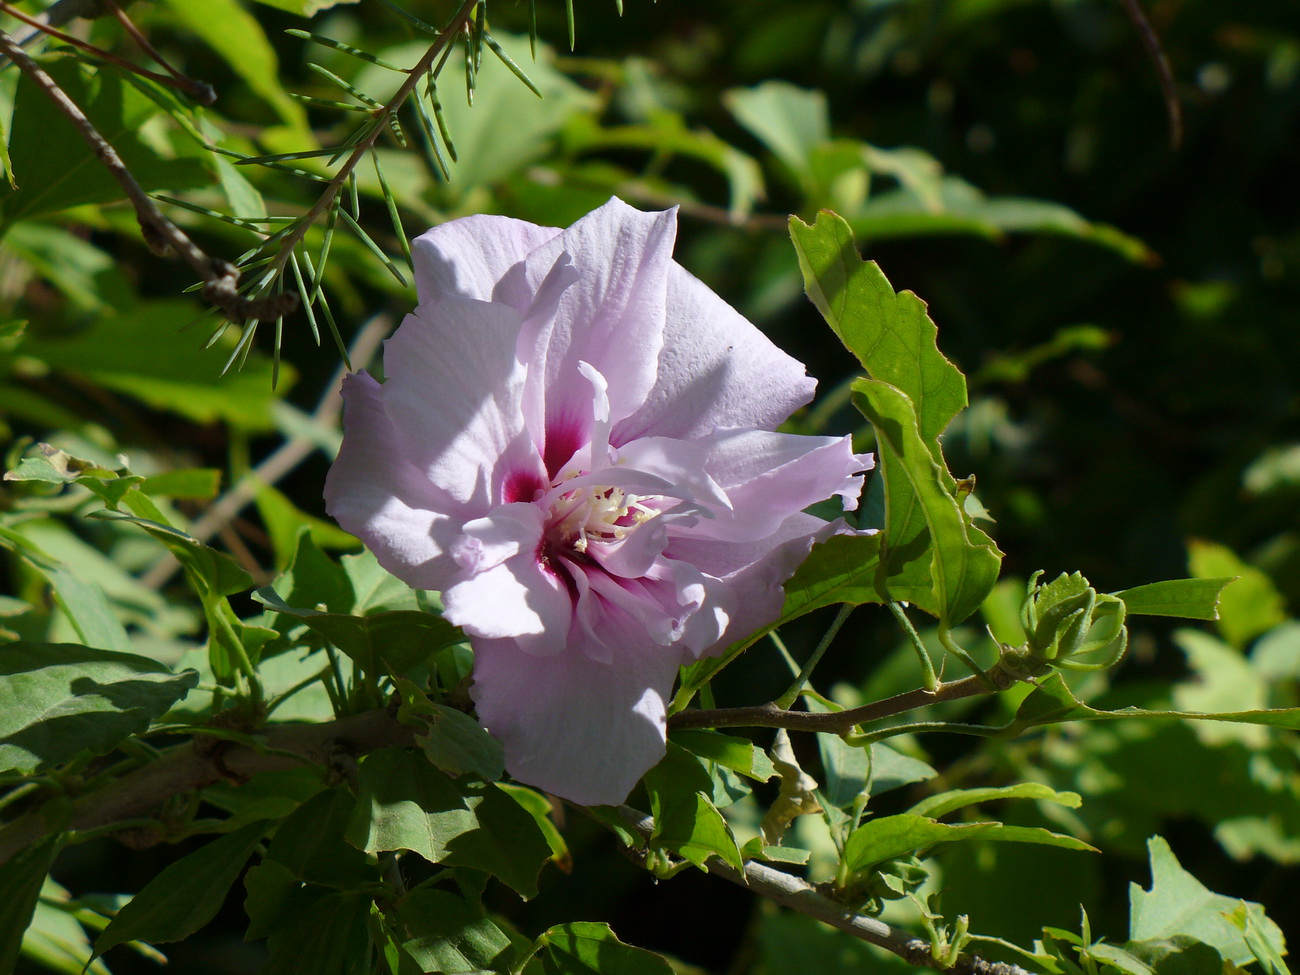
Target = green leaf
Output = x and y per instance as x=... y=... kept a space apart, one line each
x=21 y=879
x=193 y=483
x=457 y=744
x=686 y=821
x=738 y=754
x=374 y=587
x=445 y=933
x=1179 y=904
x=284 y=521
x=307 y=8
x=88 y=610
x=845 y=770
x=268 y=888
x=790 y=121
x=311 y=843
x=841 y=569
x=1192 y=599
x=891 y=334
x=404 y=803
x=893 y=770
x=174 y=376
x=926 y=526
x=55 y=168
x=878 y=840
x=322 y=934
x=1255 y=930
x=313 y=579
x=186 y=895
x=236 y=35
x=384 y=643
x=945 y=802
x=56 y=699
x=1051 y=702
x=1250 y=605
x=540 y=808
x=1163 y=956
x=591 y=948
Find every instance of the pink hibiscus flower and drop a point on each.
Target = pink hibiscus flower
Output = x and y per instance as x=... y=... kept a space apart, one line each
x=575 y=446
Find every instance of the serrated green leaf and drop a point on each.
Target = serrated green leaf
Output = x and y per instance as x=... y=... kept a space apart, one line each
x=878 y=840
x=457 y=744
x=1179 y=904
x=945 y=802
x=186 y=895
x=310 y=843
x=926 y=526
x=738 y=754
x=686 y=820
x=891 y=334
x=322 y=933
x=1192 y=599
x=56 y=699
x=841 y=569
x=21 y=879
x=384 y=643
x=404 y=803
x=591 y=948
x=445 y=933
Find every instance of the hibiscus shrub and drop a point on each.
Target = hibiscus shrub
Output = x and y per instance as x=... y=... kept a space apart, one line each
x=581 y=502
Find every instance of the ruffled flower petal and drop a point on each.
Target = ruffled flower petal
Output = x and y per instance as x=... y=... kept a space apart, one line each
x=571 y=724
x=715 y=370
x=469 y=257
x=377 y=494
x=520 y=599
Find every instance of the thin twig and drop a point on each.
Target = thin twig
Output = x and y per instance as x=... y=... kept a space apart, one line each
x=364 y=146
x=799 y=895
x=280 y=462
x=221 y=277
x=56 y=15
x=771 y=715
x=200 y=91
x=1157 y=53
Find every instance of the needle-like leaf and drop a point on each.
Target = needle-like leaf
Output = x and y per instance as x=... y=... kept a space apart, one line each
x=345 y=48
x=509 y=62
x=375 y=249
x=393 y=215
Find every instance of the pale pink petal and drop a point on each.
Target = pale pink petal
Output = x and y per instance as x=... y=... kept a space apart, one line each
x=468 y=257
x=503 y=534
x=453 y=392
x=612 y=317
x=769 y=475
x=679 y=463
x=715 y=370
x=374 y=492
x=754 y=571
x=520 y=598
x=572 y=725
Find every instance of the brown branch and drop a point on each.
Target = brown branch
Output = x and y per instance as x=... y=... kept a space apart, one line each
x=799 y=895
x=839 y=722
x=221 y=277
x=1156 y=51
x=198 y=764
x=200 y=91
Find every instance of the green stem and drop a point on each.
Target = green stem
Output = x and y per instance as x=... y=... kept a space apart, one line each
x=929 y=679
x=795 y=689
x=945 y=638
